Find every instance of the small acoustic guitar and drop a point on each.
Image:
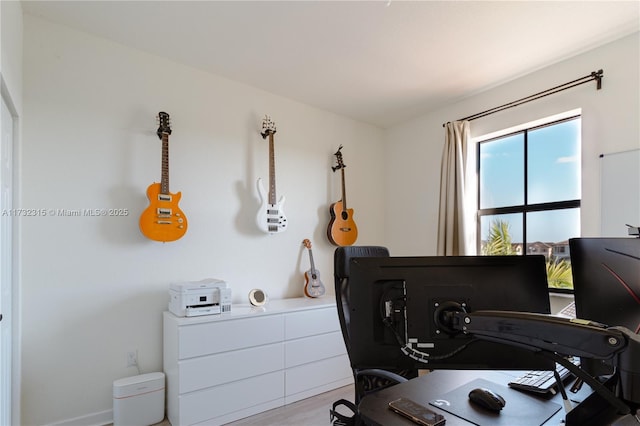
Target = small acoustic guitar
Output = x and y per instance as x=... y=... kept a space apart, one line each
x=313 y=286
x=271 y=217
x=342 y=230
x=163 y=220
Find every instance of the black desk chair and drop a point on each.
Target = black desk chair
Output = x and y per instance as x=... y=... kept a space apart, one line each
x=366 y=380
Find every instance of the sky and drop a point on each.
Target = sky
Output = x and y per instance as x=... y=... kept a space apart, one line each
x=553 y=175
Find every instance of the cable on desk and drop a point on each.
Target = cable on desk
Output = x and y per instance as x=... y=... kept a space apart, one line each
x=565 y=400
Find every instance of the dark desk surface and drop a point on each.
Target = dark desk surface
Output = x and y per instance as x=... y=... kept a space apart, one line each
x=375 y=412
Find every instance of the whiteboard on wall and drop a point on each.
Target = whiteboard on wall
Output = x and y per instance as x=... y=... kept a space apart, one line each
x=619 y=192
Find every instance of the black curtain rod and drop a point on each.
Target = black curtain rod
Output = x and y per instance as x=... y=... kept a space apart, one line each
x=595 y=75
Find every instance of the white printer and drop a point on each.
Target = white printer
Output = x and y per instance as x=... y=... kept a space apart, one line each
x=194 y=298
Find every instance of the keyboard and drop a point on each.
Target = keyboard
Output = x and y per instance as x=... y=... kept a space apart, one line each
x=568 y=311
x=542 y=381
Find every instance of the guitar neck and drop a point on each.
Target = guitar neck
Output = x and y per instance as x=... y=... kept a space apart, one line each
x=164 y=185
x=344 y=191
x=313 y=267
x=272 y=172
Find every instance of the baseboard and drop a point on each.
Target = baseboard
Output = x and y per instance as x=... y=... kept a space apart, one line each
x=96 y=419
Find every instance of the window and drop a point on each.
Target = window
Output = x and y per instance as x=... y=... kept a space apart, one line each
x=529 y=195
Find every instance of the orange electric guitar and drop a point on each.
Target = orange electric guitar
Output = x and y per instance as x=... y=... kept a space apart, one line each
x=313 y=287
x=342 y=230
x=163 y=220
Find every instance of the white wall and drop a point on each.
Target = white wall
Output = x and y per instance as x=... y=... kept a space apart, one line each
x=610 y=124
x=94 y=287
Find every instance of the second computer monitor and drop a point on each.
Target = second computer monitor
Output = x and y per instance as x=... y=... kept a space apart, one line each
x=606 y=280
x=606 y=285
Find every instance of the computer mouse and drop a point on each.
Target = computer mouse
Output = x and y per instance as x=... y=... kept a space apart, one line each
x=487 y=398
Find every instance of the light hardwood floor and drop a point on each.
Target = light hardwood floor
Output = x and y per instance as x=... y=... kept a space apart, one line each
x=312 y=411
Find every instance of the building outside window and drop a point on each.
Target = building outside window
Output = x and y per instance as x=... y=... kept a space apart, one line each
x=529 y=195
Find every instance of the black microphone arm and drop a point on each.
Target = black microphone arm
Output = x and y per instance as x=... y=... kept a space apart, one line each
x=559 y=337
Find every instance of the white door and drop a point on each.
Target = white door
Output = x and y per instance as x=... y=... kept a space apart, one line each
x=6 y=263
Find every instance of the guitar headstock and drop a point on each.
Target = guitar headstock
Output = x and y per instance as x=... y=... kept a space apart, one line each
x=338 y=155
x=164 y=124
x=268 y=127
x=307 y=243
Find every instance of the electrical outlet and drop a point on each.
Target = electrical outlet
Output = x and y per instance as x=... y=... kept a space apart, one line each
x=132 y=358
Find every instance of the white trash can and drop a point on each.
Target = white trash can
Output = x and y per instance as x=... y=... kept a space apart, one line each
x=139 y=400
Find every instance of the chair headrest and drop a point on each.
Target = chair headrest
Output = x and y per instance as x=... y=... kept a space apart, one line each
x=343 y=255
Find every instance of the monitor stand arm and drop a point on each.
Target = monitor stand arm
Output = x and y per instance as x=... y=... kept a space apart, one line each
x=557 y=337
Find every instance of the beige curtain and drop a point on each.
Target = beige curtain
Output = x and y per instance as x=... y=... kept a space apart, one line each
x=452 y=217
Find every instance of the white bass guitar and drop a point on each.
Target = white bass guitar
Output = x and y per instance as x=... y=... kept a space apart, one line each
x=271 y=217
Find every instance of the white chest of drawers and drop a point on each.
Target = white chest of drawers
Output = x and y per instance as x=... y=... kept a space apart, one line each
x=221 y=368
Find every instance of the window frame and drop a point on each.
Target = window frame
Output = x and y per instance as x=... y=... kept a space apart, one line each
x=524 y=208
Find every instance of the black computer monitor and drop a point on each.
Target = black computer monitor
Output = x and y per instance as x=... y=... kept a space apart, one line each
x=394 y=301
x=606 y=285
